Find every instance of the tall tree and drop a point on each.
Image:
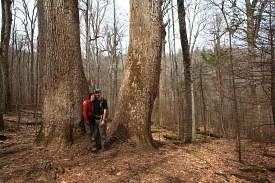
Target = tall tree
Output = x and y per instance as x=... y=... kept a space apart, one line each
x=98 y=12
x=254 y=11
x=5 y=97
x=63 y=82
x=29 y=22
x=231 y=32
x=189 y=116
x=272 y=56
x=141 y=75
x=5 y=39
x=86 y=10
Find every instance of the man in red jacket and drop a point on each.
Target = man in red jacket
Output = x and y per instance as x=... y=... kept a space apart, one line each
x=89 y=121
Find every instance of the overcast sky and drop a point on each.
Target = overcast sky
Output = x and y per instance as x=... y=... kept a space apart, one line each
x=124 y=4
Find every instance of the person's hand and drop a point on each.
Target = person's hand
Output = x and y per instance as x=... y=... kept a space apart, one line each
x=102 y=123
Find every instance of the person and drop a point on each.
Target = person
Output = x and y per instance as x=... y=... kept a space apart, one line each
x=100 y=111
x=89 y=121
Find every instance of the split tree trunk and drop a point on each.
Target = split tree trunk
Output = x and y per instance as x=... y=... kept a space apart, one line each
x=141 y=75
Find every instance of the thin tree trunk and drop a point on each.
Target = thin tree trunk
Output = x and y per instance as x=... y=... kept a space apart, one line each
x=203 y=106
x=272 y=52
x=30 y=19
x=88 y=47
x=235 y=101
x=162 y=98
x=114 y=91
x=191 y=131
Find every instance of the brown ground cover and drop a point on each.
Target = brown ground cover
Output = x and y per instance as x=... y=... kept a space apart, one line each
x=214 y=161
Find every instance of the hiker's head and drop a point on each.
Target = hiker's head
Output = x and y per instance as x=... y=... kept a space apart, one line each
x=97 y=93
x=92 y=96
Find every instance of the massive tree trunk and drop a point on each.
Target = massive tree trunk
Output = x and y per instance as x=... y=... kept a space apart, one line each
x=2 y=123
x=64 y=86
x=189 y=113
x=141 y=75
x=4 y=67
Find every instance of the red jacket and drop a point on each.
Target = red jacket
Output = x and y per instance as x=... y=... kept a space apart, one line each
x=88 y=109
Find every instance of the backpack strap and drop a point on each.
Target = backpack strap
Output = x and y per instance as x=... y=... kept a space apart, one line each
x=101 y=105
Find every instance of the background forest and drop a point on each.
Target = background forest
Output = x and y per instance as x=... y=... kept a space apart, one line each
x=231 y=46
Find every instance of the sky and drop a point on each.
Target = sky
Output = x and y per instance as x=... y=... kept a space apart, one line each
x=124 y=4
x=122 y=12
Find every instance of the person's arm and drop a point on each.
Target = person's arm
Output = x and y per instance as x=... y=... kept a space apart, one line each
x=104 y=116
x=85 y=112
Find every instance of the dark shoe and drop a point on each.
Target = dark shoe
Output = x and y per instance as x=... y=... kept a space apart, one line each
x=97 y=146
x=103 y=149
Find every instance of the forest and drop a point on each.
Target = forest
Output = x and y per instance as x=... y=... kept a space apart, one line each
x=190 y=84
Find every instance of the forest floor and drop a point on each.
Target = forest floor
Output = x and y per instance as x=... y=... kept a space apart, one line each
x=213 y=161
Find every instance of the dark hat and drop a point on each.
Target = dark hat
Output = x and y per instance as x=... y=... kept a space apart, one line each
x=97 y=90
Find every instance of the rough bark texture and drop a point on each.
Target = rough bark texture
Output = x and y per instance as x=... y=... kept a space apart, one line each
x=189 y=113
x=64 y=86
x=2 y=123
x=272 y=57
x=141 y=75
x=5 y=39
x=5 y=97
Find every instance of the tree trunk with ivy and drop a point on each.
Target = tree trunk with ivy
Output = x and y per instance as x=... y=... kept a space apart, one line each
x=64 y=86
x=141 y=75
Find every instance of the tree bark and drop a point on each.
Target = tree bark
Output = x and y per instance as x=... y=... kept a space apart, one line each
x=162 y=97
x=272 y=57
x=191 y=131
x=141 y=75
x=4 y=67
x=2 y=124
x=64 y=86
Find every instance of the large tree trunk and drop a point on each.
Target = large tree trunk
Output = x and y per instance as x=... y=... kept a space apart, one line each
x=64 y=86
x=189 y=112
x=141 y=75
x=4 y=67
x=2 y=124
